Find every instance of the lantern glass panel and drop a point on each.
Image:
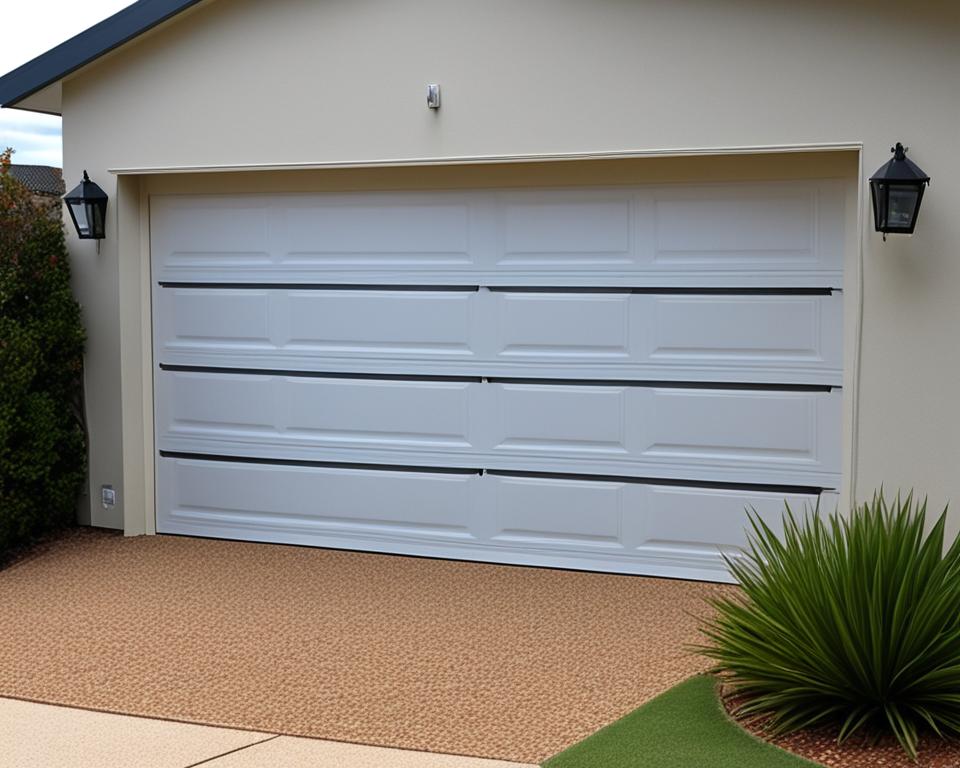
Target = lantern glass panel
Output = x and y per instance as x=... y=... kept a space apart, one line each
x=79 y=211
x=879 y=193
x=901 y=206
x=95 y=217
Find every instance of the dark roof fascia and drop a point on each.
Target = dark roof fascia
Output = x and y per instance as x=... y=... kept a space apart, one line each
x=86 y=47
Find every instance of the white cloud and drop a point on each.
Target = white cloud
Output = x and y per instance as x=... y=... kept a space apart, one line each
x=35 y=137
x=32 y=29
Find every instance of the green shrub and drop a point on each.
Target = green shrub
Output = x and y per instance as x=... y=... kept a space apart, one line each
x=42 y=443
x=850 y=622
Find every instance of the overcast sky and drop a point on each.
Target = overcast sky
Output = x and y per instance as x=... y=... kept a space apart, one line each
x=31 y=28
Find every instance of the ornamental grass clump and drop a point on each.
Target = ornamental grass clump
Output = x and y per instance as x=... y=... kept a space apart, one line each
x=851 y=622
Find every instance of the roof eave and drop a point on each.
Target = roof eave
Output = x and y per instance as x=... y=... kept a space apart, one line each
x=81 y=50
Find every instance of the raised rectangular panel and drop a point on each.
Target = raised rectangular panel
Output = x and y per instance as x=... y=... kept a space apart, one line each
x=560 y=327
x=200 y=233
x=538 y=511
x=740 y=327
x=312 y=504
x=309 y=418
x=432 y=414
x=381 y=323
x=555 y=419
x=760 y=234
x=243 y=318
x=566 y=228
x=703 y=522
x=786 y=437
x=743 y=329
x=393 y=230
x=698 y=424
x=198 y=325
x=210 y=406
x=736 y=227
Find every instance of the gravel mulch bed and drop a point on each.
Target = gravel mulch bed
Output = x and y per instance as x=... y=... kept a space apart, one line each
x=820 y=745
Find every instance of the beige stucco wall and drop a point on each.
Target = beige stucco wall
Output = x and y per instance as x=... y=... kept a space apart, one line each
x=246 y=83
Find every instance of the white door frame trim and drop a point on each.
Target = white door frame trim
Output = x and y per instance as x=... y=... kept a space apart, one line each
x=621 y=154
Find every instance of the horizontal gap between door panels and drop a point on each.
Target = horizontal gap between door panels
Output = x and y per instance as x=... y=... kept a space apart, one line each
x=322 y=286
x=318 y=374
x=713 y=291
x=307 y=463
x=668 y=291
x=581 y=476
x=735 y=385
x=673 y=482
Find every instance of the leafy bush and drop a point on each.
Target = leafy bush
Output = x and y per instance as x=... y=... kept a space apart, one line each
x=42 y=443
x=851 y=622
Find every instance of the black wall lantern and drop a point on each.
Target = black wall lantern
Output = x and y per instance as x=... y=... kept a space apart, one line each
x=87 y=204
x=897 y=189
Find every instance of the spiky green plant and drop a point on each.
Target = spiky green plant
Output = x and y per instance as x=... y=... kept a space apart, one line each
x=846 y=621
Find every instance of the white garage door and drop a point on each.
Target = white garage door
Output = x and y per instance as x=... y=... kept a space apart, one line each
x=597 y=378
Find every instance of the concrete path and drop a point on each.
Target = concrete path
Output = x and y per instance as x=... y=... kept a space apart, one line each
x=44 y=736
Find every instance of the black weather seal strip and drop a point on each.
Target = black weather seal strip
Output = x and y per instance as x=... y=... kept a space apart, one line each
x=320 y=286
x=658 y=383
x=684 y=291
x=317 y=374
x=221 y=458
x=86 y=47
x=804 y=490
x=662 y=384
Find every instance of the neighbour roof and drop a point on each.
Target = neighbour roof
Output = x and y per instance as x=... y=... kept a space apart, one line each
x=39 y=179
x=78 y=51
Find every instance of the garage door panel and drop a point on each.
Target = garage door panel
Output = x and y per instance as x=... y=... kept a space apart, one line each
x=209 y=319
x=674 y=520
x=715 y=435
x=736 y=235
x=742 y=425
x=553 y=419
x=410 y=325
x=563 y=327
x=207 y=497
x=675 y=531
x=377 y=230
x=290 y=417
x=778 y=333
x=752 y=338
x=199 y=234
x=563 y=229
x=749 y=228
x=552 y=512
x=198 y=404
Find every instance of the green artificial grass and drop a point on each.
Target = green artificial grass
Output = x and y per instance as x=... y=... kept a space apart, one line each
x=685 y=727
